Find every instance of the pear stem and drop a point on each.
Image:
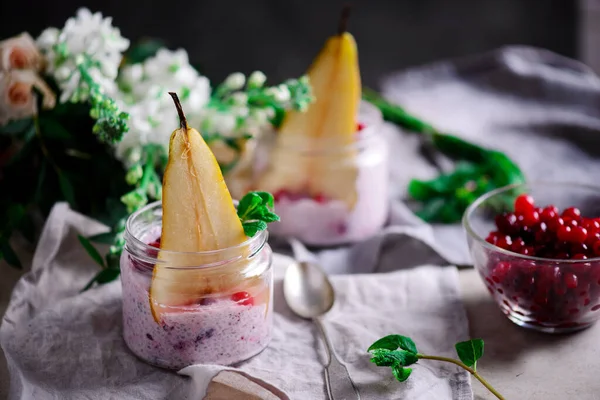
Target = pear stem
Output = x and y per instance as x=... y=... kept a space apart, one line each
x=182 y=120
x=343 y=24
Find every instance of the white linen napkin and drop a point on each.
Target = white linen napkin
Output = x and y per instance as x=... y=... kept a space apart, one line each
x=62 y=344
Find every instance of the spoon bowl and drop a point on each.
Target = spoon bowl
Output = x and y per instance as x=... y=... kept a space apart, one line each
x=307 y=290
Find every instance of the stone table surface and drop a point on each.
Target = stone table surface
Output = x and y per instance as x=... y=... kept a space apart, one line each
x=519 y=363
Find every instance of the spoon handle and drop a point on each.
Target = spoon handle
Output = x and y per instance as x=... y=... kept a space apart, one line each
x=337 y=379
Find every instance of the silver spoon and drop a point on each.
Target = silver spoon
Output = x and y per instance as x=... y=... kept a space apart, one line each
x=309 y=294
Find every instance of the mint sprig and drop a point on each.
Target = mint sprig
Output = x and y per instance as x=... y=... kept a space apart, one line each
x=256 y=210
x=399 y=352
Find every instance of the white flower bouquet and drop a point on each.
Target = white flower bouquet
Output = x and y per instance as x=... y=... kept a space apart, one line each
x=81 y=109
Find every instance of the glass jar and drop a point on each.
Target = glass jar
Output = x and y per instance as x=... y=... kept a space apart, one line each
x=327 y=195
x=226 y=323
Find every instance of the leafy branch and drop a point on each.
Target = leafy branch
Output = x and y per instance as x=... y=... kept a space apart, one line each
x=398 y=352
x=477 y=169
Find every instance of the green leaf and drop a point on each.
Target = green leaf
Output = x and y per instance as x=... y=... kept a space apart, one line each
x=252 y=227
x=91 y=250
x=104 y=238
x=16 y=127
x=247 y=205
x=67 y=189
x=9 y=255
x=40 y=182
x=401 y=373
x=113 y=260
x=104 y=276
x=267 y=199
x=143 y=50
x=470 y=351
x=388 y=358
x=52 y=129
x=393 y=342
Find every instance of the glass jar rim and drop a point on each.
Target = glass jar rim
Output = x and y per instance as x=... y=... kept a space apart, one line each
x=139 y=248
x=486 y=196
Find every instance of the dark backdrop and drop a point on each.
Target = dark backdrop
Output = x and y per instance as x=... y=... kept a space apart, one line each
x=280 y=37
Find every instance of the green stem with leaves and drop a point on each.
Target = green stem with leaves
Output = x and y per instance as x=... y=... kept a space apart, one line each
x=399 y=352
x=467 y=368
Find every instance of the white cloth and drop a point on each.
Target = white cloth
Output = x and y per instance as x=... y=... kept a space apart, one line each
x=61 y=344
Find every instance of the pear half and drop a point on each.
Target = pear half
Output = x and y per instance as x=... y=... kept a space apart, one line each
x=198 y=216
x=326 y=130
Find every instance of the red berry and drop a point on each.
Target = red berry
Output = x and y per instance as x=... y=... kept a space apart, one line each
x=280 y=194
x=575 y=234
x=572 y=212
x=571 y=222
x=579 y=234
x=500 y=271
x=507 y=223
x=524 y=203
x=570 y=280
x=156 y=244
x=492 y=237
x=517 y=244
x=596 y=248
x=592 y=238
x=591 y=225
x=564 y=233
x=320 y=198
x=243 y=298
x=555 y=224
x=504 y=242
x=527 y=251
x=360 y=126
x=530 y=217
x=579 y=256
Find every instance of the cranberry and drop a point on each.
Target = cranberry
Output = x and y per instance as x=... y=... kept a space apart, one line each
x=596 y=248
x=591 y=225
x=570 y=280
x=530 y=217
x=517 y=244
x=549 y=213
x=524 y=203
x=555 y=224
x=504 y=242
x=320 y=198
x=527 y=251
x=281 y=194
x=360 y=126
x=501 y=271
x=572 y=212
x=578 y=248
x=592 y=238
x=575 y=234
x=492 y=237
x=571 y=222
x=507 y=223
x=243 y=298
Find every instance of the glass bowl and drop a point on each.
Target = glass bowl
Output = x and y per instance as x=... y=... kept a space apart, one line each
x=539 y=291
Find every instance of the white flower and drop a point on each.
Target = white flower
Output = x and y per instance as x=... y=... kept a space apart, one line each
x=281 y=93
x=239 y=98
x=144 y=95
x=235 y=81
x=256 y=79
x=87 y=40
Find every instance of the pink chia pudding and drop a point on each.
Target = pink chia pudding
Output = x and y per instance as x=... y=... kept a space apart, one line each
x=221 y=329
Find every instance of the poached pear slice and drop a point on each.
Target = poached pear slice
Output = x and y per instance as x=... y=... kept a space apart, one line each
x=198 y=216
x=326 y=131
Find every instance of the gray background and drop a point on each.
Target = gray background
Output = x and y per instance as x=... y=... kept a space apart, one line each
x=280 y=37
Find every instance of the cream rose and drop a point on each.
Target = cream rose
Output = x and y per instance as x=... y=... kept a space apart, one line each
x=20 y=52
x=17 y=99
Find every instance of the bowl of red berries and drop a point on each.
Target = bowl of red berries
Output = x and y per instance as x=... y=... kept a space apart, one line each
x=537 y=248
